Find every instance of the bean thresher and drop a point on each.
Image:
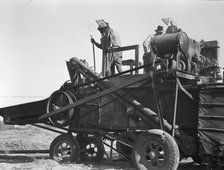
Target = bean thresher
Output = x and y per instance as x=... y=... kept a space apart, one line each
x=156 y=118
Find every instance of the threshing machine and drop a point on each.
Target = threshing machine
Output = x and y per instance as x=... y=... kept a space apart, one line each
x=156 y=118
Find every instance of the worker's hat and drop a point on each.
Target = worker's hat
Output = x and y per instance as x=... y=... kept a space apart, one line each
x=102 y=23
x=159 y=29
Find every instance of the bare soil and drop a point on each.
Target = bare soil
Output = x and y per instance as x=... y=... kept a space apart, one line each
x=32 y=138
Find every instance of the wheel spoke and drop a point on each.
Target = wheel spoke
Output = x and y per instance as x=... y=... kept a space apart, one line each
x=152 y=152
x=160 y=155
x=158 y=147
x=148 y=149
x=150 y=146
x=160 y=162
x=92 y=151
x=59 y=150
x=66 y=145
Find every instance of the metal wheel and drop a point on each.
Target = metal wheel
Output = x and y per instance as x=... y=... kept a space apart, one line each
x=64 y=148
x=91 y=150
x=155 y=150
x=57 y=100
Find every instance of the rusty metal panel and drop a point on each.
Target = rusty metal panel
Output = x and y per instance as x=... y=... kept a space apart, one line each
x=88 y=115
x=187 y=109
x=211 y=120
x=113 y=114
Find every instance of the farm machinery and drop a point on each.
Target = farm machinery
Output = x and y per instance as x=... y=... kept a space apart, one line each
x=156 y=118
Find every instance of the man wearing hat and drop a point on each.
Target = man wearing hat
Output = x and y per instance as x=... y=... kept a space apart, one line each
x=149 y=57
x=109 y=39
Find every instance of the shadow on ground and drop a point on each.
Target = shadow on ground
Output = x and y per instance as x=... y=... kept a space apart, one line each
x=13 y=159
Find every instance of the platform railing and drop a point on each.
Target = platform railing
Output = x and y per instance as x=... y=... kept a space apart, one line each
x=132 y=63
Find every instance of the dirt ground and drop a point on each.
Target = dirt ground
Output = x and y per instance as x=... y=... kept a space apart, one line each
x=32 y=138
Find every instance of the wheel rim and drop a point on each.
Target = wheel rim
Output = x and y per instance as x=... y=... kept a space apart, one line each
x=155 y=149
x=153 y=154
x=63 y=151
x=91 y=150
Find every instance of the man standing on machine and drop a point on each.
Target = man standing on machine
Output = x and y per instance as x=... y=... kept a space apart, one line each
x=109 y=39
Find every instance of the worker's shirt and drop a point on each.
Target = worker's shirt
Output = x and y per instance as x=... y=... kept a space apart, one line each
x=111 y=40
x=147 y=44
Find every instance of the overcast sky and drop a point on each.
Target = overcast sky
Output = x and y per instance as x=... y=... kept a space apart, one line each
x=38 y=36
